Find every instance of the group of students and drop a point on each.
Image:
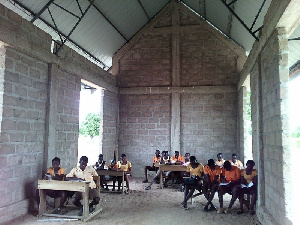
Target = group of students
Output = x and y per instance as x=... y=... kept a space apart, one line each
x=216 y=176
x=85 y=173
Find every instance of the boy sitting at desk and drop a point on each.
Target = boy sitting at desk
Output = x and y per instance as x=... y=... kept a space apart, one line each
x=113 y=166
x=230 y=177
x=84 y=172
x=125 y=166
x=156 y=159
x=56 y=173
x=100 y=166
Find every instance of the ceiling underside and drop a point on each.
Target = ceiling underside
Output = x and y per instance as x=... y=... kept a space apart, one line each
x=97 y=29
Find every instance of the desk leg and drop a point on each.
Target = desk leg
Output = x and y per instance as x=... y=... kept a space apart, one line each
x=161 y=180
x=123 y=176
x=85 y=198
x=42 y=206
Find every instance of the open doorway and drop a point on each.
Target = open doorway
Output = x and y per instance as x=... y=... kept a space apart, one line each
x=90 y=122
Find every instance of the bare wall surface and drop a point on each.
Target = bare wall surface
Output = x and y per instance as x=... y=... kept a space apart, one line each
x=39 y=109
x=178 y=89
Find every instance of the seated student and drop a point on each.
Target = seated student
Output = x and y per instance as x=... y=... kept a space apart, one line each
x=164 y=160
x=177 y=159
x=100 y=166
x=211 y=183
x=156 y=159
x=231 y=177
x=220 y=161
x=235 y=162
x=113 y=166
x=248 y=186
x=84 y=172
x=186 y=159
x=124 y=165
x=196 y=171
x=56 y=173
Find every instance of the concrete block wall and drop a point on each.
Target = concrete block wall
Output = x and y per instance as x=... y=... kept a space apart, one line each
x=22 y=129
x=148 y=64
x=39 y=106
x=110 y=124
x=208 y=124
x=190 y=70
x=269 y=78
x=144 y=127
x=67 y=118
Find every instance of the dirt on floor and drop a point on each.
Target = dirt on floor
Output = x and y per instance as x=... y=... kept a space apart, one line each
x=155 y=206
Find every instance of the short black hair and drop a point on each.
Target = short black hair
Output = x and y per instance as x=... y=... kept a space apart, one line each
x=220 y=153
x=56 y=159
x=84 y=158
x=234 y=155
x=123 y=155
x=211 y=162
x=227 y=165
x=101 y=155
x=251 y=162
x=193 y=158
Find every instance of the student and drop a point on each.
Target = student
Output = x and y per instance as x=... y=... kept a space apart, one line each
x=56 y=173
x=113 y=166
x=84 y=172
x=124 y=165
x=156 y=159
x=231 y=184
x=195 y=171
x=248 y=186
x=100 y=166
x=186 y=159
x=177 y=159
x=211 y=183
x=220 y=161
x=235 y=162
x=164 y=160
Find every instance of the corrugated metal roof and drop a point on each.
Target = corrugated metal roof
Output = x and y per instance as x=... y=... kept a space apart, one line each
x=109 y=24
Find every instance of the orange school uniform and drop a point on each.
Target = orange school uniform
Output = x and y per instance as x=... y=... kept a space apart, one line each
x=212 y=173
x=180 y=158
x=156 y=159
x=232 y=175
x=195 y=171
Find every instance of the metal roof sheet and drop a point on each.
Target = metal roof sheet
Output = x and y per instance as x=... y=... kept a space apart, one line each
x=109 y=24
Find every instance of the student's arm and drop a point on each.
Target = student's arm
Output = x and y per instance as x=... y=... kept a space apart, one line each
x=255 y=181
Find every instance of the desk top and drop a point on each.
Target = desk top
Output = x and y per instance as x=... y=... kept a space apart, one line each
x=63 y=185
x=172 y=168
x=117 y=173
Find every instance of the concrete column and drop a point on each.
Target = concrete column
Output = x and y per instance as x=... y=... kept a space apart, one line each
x=175 y=47
x=175 y=123
x=50 y=120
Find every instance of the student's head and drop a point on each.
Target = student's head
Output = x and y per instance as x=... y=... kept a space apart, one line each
x=234 y=157
x=157 y=153
x=250 y=164
x=211 y=163
x=220 y=156
x=113 y=162
x=83 y=162
x=193 y=159
x=187 y=157
x=176 y=154
x=227 y=165
x=56 y=163
x=123 y=157
x=100 y=158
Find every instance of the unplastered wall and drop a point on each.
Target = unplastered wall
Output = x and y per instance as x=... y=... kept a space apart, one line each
x=178 y=89
x=39 y=109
